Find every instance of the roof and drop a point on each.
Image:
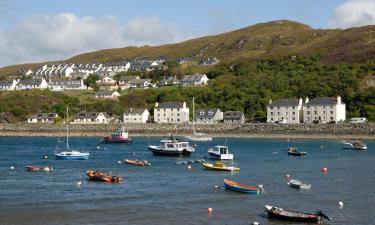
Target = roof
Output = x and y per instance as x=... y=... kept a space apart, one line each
x=29 y=82
x=206 y=113
x=233 y=115
x=44 y=116
x=128 y=78
x=6 y=83
x=134 y=111
x=322 y=101
x=169 y=105
x=90 y=115
x=284 y=102
x=140 y=81
x=192 y=78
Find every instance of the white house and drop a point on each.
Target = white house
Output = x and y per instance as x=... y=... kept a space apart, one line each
x=124 y=81
x=32 y=84
x=140 y=83
x=91 y=118
x=66 y=85
x=285 y=111
x=8 y=85
x=324 y=110
x=197 y=79
x=107 y=81
x=109 y=94
x=136 y=116
x=208 y=116
x=42 y=118
x=234 y=117
x=171 y=112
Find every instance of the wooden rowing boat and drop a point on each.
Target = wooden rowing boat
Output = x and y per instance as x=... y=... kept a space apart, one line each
x=38 y=168
x=243 y=188
x=282 y=214
x=103 y=177
x=137 y=162
x=219 y=166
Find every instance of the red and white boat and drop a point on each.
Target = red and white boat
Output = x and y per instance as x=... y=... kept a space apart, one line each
x=38 y=168
x=119 y=136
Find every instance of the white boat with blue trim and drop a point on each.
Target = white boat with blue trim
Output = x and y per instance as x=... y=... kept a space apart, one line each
x=220 y=152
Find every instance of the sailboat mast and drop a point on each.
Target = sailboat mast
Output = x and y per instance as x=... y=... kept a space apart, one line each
x=67 y=127
x=193 y=115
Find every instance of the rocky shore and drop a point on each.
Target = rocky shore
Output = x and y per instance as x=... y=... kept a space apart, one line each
x=249 y=130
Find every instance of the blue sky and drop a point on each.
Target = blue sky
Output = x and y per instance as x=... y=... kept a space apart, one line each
x=38 y=30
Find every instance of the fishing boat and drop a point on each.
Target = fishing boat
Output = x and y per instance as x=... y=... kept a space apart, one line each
x=171 y=147
x=282 y=214
x=137 y=162
x=294 y=152
x=103 y=177
x=356 y=145
x=219 y=166
x=243 y=188
x=70 y=154
x=197 y=136
x=297 y=184
x=119 y=136
x=38 y=168
x=220 y=152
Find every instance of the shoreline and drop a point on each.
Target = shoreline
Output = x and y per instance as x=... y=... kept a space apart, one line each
x=266 y=131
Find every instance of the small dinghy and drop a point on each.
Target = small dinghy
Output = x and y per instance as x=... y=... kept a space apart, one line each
x=243 y=188
x=137 y=162
x=103 y=177
x=297 y=184
x=219 y=166
x=282 y=214
x=38 y=168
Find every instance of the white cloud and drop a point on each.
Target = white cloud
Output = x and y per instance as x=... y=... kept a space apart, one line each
x=353 y=13
x=51 y=37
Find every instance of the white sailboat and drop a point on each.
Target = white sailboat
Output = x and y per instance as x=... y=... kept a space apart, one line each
x=197 y=136
x=71 y=154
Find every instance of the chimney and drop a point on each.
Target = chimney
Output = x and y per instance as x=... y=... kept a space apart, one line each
x=338 y=100
x=306 y=100
x=270 y=102
x=156 y=104
x=300 y=102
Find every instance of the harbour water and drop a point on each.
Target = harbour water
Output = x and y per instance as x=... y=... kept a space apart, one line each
x=166 y=193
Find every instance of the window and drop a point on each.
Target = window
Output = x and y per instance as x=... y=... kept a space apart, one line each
x=293 y=118
x=331 y=107
x=315 y=112
x=278 y=107
x=331 y=112
x=271 y=113
x=331 y=118
x=293 y=107
x=271 y=107
x=307 y=118
x=178 y=119
x=286 y=113
x=178 y=110
x=159 y=114
x=278 y=113
x=158 y=110
x=178 y=114
x=271 y=119
x=308 y=107
x=308 y=112
x=324 y=112
x=294 y=113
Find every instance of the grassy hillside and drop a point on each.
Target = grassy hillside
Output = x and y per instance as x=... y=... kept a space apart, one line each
x=266 y=40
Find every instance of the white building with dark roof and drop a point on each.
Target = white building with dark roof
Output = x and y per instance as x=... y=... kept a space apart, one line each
x=91 y=118
x=8 y=85
x=285 y=111
x=324 y=110
x=234 y=117
x=197 y=79
x=43 y=118
x=136 y=116
x=32 y=84
x=108 y=94
x=208 y=116
x=171 y=112
x=66 y=85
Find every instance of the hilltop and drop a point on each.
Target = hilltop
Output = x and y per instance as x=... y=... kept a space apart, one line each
x=265 y=40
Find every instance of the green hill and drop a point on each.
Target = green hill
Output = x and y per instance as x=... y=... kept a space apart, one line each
x=264 y=40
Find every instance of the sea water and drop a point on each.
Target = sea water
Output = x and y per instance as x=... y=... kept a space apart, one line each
x=166 y=193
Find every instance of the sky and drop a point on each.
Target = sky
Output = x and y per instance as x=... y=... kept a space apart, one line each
x=43 y=30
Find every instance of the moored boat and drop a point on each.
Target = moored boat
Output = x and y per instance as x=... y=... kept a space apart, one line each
x=219 y=166
x=243 y=188
x=282 y=214
x=119 y=136
x=103 y=177
x=294 y=152
x=297 y=184
x=171 y=147
x=137 y=162
x=220 y=152
x=39 y=168
x=356 y=145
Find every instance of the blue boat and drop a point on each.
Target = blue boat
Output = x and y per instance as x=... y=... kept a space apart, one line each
x=243 y=188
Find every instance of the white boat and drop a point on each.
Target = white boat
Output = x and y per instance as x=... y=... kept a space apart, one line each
x=220 y=152
x=356 y=145
x=172 y=147
x=197 y=136
x=70 y=154
x=299 y=184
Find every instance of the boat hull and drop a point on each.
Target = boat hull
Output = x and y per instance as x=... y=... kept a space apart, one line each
x=110 y=140
x=220 y=157
x=161 y=152
x=39 y=168
x=230 y=185
x=72 y=157
x=277 y=213
x=137 y=163
x=101 y=177
x=297 y=153
x=209 y=166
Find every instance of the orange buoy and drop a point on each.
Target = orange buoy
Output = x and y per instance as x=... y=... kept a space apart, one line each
x=210 y=210
x=324 y=170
